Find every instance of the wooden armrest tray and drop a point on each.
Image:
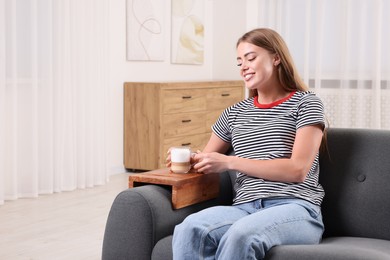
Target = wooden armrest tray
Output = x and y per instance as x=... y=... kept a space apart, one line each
x=187 y=188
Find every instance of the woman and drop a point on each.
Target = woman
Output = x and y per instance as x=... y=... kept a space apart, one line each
x=276 y=135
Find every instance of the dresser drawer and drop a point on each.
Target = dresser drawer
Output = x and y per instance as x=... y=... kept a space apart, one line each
x=183 y=124
x=218 y=98
x=183 y=100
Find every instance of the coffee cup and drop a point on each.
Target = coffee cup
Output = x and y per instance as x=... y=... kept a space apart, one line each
x=180 y=159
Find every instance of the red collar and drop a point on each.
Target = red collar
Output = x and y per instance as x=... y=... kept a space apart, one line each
x=273 y=104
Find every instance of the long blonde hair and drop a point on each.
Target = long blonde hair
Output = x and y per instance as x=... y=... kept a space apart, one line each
x=271 y=41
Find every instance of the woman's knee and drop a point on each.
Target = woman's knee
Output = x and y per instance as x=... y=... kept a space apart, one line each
x=189 y=225
x=194 y=225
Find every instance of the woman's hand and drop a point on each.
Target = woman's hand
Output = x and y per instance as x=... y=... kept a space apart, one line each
x=210 y=162
x=214 y=146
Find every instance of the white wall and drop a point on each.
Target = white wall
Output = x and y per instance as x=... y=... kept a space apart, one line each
x=229 y=25
x=224 y=23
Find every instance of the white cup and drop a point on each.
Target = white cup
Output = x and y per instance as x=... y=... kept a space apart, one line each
x=180 y=159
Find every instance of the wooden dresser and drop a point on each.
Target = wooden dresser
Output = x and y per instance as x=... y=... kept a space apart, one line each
x=158 y=116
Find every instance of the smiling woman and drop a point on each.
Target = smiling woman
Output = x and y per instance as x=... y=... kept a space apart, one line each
x=275 y=135
x=280 y=57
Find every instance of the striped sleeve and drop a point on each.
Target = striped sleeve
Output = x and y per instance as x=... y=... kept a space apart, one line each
x=221 y=126
x=310 y=111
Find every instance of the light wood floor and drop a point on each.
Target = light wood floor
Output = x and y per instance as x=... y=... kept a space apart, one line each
x=67 y=225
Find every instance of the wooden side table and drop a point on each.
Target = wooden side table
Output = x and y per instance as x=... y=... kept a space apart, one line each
x=187 y=188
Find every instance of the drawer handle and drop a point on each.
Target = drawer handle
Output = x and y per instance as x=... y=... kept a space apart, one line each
x=225 y=95
x=186 y=121
x=186 y=97
x=186 y=144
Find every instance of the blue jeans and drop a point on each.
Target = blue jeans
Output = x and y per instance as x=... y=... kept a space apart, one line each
x=247 y=231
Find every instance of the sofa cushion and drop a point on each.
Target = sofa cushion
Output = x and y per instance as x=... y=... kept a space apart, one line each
x=355 y=173
x=335 y=248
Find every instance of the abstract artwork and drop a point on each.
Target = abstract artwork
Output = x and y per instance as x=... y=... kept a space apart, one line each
x=187 y=43
x=145 y=30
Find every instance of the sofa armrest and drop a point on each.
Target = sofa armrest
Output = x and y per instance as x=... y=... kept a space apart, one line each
x=141 y=216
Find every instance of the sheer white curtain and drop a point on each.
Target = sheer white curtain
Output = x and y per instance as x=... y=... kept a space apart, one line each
x=53 y=89
x=341 y=48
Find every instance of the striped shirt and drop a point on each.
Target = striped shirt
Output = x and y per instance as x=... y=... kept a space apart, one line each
x=268 y=132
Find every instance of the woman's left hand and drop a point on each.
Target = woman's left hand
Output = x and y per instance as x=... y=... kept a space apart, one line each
x=211 y=162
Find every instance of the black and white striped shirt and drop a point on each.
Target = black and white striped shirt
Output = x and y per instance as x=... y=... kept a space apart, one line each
x=268 y=132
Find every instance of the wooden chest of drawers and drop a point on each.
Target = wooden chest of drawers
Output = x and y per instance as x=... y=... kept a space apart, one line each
x=158 y=116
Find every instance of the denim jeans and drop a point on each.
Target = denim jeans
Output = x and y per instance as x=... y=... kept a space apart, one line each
x=247 y=231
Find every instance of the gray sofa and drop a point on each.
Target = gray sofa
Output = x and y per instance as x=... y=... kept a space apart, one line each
x=355 y=173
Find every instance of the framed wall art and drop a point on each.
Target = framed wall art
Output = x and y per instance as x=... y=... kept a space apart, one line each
x=187 y=32
x=145 y=30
